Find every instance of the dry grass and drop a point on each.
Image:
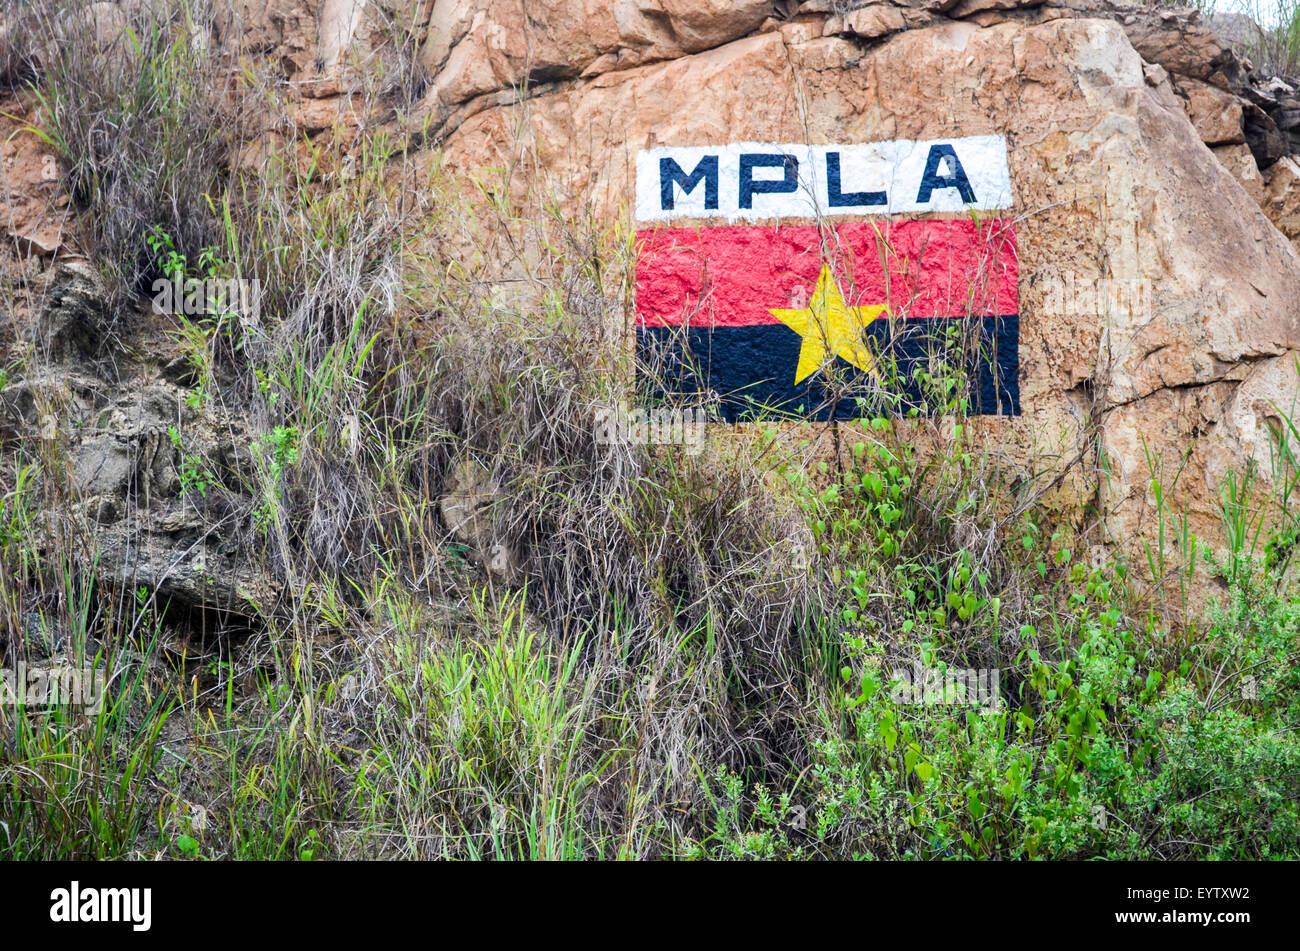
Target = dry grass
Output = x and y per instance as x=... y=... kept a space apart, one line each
x=141 y=119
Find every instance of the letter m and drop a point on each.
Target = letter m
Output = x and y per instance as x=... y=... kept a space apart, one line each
x=671 y=173
x=116 y=904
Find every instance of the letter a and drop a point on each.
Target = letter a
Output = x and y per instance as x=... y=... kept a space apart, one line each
x=932 y=180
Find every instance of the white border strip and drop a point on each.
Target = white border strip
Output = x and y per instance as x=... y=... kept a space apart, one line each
x=747 y=181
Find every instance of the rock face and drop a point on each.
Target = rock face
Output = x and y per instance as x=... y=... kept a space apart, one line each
x=144 y=468
x=1282 y=197
x=1160 y=307
x=480 y=46
x=470 y=509
x=1156 y=194
x=36 y=214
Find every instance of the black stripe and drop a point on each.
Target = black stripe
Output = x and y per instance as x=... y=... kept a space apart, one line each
x=751 y=369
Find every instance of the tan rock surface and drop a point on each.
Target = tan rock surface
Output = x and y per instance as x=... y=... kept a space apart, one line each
x=1158 y=303
x=1240 y=164
x=35 y=213
x=1214 y=113
x=1282 y=198
x=480 y=46
x=875 y=19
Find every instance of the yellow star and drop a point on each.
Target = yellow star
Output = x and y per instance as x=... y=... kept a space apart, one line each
x=829 y=324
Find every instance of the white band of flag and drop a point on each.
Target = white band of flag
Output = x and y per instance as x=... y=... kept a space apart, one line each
x=757 y=181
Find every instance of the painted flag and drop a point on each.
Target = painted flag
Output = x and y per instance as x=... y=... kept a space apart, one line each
x=820 y=317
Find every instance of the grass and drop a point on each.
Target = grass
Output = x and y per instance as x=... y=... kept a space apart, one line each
x=696 y=654
x=140 y=123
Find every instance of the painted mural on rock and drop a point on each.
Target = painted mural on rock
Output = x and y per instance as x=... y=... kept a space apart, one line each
x=866 y=278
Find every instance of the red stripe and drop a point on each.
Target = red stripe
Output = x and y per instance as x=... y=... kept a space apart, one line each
x=731 y=276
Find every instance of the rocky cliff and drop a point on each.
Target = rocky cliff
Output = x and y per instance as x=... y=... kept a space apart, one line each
x=1160 y=302
x=1154 y=175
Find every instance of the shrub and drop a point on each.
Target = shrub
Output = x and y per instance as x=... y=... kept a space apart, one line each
x=141 y=118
